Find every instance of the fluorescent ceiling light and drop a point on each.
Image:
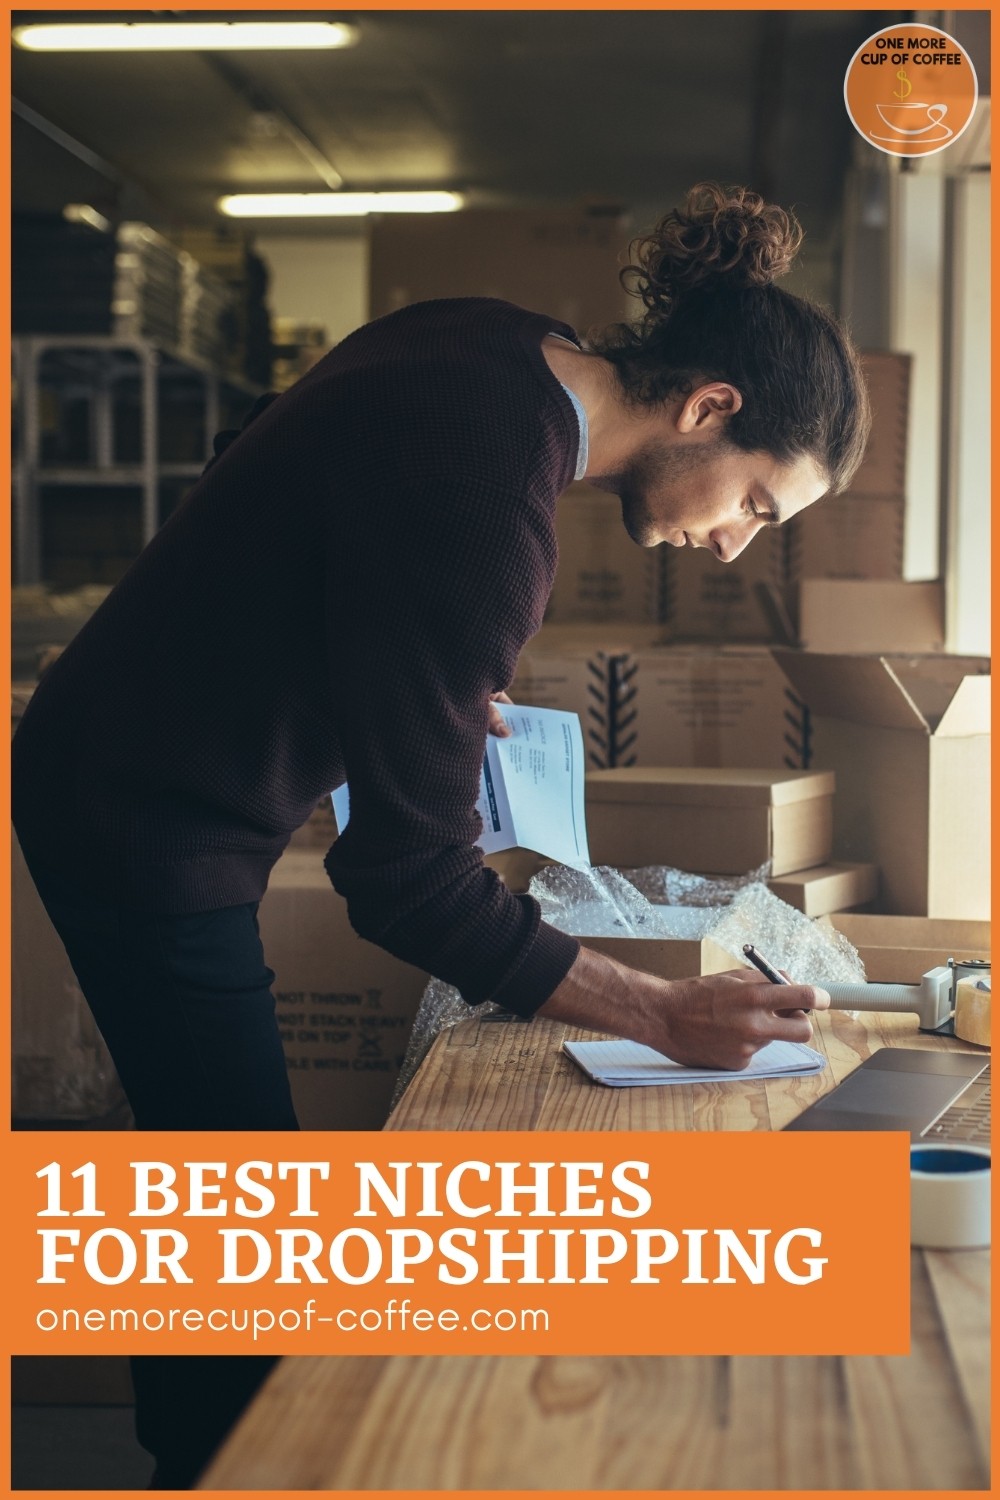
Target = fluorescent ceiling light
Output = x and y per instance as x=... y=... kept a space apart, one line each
x=322 y=205
x=185 y=36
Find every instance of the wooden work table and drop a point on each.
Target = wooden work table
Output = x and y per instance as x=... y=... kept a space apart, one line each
x=670 y=1423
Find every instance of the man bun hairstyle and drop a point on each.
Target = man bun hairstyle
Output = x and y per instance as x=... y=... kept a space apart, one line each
x=705 y=276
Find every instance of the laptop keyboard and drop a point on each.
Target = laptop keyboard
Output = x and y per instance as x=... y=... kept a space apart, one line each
x=968 y=1119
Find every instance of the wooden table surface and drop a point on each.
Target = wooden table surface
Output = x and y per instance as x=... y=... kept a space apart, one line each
x=919 y=1421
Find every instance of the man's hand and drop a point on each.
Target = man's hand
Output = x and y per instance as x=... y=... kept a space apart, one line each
x=718 y=1021
x=721 y=1020
x=498 y=725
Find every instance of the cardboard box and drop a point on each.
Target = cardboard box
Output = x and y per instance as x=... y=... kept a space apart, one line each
x=320 y=831
x=667 y=958
x=645 y=703
x=883 y=469
x=863 y=615
x=563 y=263
x=828 y=888
x=900 y=950
x=603 y=577
x=710 y=821
x=708 y=600
x=706 y=706
x=344 y=1007
x=517 y=867
x=909 y=740
x=574 y=668
x=848 y=536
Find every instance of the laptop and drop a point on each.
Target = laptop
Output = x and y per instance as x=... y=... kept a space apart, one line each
x=936 y=1096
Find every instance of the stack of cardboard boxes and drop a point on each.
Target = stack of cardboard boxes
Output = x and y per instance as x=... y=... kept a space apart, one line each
x=666 y=723
x=845 y=555
x=832 y=580
x=905 y=727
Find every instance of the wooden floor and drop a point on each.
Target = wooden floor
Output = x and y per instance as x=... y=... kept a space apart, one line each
x=672 y=1423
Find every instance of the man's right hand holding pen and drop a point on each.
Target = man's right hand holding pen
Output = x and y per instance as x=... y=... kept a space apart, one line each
x=716 y=1021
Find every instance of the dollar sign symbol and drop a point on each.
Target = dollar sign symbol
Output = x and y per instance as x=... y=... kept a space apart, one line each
x=905 y=86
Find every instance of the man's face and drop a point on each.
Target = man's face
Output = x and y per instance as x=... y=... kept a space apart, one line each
x=710 y=494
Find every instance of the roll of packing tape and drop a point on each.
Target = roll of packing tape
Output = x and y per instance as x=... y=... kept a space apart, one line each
x=972 y=1011
x=950 y=1196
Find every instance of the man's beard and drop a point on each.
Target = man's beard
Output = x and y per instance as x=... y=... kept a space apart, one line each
x=659 y=468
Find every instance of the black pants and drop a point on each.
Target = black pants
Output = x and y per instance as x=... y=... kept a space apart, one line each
x=184 y=1004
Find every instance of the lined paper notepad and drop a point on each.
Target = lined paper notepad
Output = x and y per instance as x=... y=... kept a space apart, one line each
x=622 y=1065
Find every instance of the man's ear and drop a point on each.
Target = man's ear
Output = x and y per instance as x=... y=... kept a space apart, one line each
x=709 y=407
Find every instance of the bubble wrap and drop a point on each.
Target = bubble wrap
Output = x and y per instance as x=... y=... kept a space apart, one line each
x=658 y=902
x=601 y=902
x=809 y=953
x=663 y=885
x=440 y=1006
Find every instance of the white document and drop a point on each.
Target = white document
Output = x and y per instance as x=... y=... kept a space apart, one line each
x=531 y=791
x=622 y=1064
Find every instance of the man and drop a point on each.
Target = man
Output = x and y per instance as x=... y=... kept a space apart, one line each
x=345 y=595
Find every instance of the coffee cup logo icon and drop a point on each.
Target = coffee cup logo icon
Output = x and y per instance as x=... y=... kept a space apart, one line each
x=911 y=90
x=914 y=119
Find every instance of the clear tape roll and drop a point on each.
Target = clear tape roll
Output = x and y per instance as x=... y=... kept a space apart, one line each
x=950 y=1196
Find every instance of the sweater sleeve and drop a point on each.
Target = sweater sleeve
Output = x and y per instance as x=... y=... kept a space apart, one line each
x=450 y=596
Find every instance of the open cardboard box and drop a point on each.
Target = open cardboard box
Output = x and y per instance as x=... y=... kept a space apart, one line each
x=900 y=950
x=909 y=741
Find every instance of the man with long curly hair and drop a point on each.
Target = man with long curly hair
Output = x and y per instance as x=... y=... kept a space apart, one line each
x=344 y=595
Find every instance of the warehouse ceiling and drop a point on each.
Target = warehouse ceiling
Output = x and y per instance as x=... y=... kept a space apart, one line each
x=512 y=108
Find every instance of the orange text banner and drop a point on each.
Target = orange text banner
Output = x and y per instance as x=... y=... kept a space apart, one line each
x=439 y=1243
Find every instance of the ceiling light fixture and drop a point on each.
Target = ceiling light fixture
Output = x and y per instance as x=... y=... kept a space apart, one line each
x=185 y=36
x=339 y=205
x=83 y=213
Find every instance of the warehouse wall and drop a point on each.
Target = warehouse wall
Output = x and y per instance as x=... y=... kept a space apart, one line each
x=318 y=280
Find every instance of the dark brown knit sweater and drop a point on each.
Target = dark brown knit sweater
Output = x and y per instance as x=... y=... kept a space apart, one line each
x=335 y=600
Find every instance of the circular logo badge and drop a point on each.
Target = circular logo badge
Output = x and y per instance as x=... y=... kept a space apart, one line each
x=910 y=90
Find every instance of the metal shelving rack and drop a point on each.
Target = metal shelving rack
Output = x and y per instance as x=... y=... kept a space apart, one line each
x=93 y=367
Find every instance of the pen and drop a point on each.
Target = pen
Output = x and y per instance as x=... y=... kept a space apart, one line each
x=761 y=963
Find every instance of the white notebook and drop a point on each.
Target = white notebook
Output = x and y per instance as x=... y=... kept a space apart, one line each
x=621 y=1064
